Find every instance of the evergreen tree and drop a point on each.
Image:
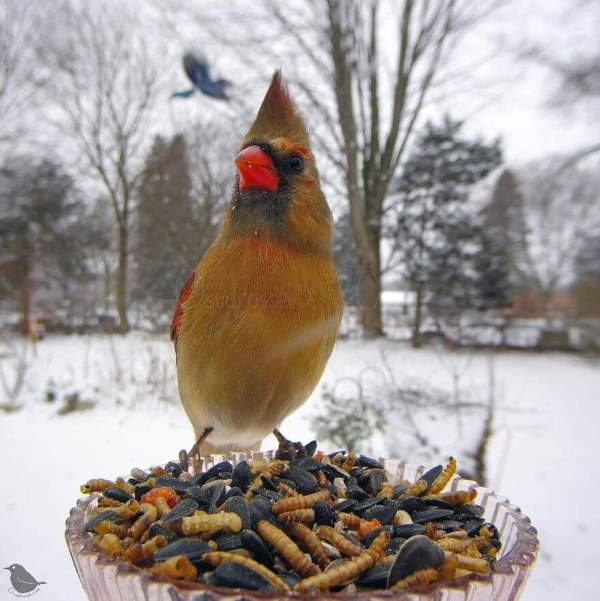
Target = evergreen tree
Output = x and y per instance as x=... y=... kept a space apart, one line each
x=165 y=225
x=435 y=231
x=44 y=244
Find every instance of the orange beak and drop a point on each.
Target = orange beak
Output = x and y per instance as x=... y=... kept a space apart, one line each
x=256 y=169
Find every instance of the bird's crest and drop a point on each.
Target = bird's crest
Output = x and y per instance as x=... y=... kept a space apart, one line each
x=277 y=116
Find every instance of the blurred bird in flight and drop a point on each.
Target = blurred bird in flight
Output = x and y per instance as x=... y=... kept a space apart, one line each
x=257 y=319
x=196 y=68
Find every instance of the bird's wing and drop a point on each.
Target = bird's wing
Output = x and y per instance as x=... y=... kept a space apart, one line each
x=178 y=312
x=24 y=577
x=196 y=69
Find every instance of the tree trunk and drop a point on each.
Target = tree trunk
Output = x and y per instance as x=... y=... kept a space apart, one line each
x=26 y=298
x=122 y=280
x=369 y=291
x=416 y=332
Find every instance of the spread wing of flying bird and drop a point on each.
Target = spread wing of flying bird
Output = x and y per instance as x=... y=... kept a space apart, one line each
x=196 y=68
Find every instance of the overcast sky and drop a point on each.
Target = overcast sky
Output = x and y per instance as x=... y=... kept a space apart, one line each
x=517 y=105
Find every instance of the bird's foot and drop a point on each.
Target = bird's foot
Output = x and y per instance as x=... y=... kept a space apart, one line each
x=287 y=449
x=194 y=452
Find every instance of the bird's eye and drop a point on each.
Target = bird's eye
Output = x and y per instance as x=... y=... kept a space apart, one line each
x=296 y=163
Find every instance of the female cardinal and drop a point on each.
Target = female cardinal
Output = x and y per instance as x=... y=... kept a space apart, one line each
x=257 y=319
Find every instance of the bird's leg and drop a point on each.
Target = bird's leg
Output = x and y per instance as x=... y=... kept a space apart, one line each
x=287 y=449
x=194 y=451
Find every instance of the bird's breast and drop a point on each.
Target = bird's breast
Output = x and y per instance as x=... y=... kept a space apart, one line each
x=256 y=332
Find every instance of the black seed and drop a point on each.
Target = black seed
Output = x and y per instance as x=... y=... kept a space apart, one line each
x=112 y=492
x=239 y=505
x=376 y=479
x=346 y=505
x=199 y=495
x=306 y=483
x=361 y=506
x=192 y=548
x=467 y=512
x=260 y=509
x=140 y=490
x=134 y=481
x=369 y=462
x=471 y=527
x=157 y=528
x=439 y=503
x=394 y=544
x=290 y=578
x=399 y=490
x=216 y=496
x=241 y=475
x=310 y=448
x=408 y=530
x=431 y=515
x=109 y=515
x=384 y=513
x=357 y=493
x=309 y=464
x=173 y=468
x=449 y=525
x=236 y=575
x=268 y=494
x=375 y=577
x=430 y=476
x=324 y=514
x=223 y=469
x=233 y=492
x=269 y=484
x=179 y=486
x=182 y=509
x=228 y=542
x=333 y=471
x=417 y=553
x=411 y=504
x=368 y=538
x=251 y=541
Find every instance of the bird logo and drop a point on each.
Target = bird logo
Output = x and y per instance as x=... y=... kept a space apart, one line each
x=23 y=583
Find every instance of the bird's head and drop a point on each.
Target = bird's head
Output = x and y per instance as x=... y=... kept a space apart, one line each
x=12 y=567
x=277 y=190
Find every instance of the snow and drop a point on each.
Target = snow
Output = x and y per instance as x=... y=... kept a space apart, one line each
x=545 y=437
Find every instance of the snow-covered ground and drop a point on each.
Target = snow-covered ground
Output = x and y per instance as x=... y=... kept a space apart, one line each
x=541 y=454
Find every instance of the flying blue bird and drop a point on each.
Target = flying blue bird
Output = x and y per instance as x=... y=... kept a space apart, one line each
x=196 y=68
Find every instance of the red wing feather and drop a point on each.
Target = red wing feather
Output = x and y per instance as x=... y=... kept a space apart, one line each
x=178 y=312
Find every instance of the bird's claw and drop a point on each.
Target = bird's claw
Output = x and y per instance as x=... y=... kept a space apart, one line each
x=287 y=449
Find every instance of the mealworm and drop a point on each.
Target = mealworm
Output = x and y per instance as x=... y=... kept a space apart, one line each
x=339 y=541
x=415 y=490
x=287 y=490
x=440 y=482
x=138 y=553
x=272 y=469
x=179 y=567
x=311 y=543
x=347 y=570
x=473 y=564
x=287 y=548
x=110 y=543
x=419 y=577
x=216 y=558
x=211 y=522
x=124 y=485
x=457 y=497
x=301 y=501
x=95 y=485
x=127 y=510
x=148 y=517
x=302 y=516
x=106 y=527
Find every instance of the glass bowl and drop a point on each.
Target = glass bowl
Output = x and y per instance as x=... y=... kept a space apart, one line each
x=107 y=579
